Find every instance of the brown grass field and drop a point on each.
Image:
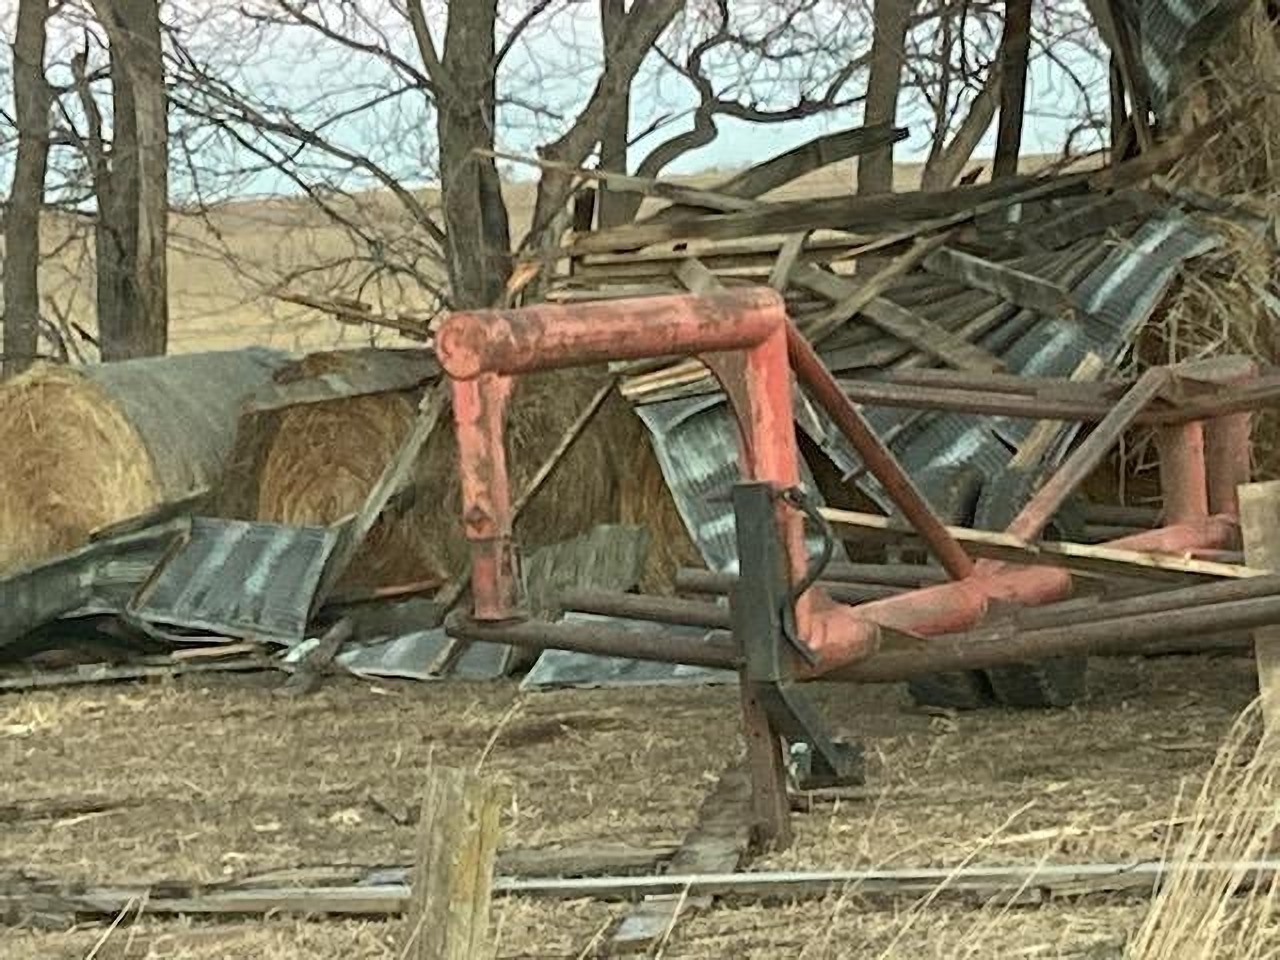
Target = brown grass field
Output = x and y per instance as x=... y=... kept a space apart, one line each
x=214 y=779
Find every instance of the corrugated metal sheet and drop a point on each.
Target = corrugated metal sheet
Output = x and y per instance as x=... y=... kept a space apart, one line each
x=1115 y=300
x=564 y=668
x=696 y=443
x=95 y=579
x=407 y=657
x=239 y=579
x=1172 y=35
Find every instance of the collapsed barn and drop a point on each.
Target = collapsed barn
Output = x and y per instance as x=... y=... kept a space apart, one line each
x=962 y=439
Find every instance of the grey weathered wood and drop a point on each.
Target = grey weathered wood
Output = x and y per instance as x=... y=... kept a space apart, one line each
x=1015 y=286
x=788 y=254
x=911 y=328
x=1028 y=882
x=1095 y=559
x=448 y=911
x=862 y=292
x=394 y=479
x=718 y=843
x=878 y=213
x=1260 y=528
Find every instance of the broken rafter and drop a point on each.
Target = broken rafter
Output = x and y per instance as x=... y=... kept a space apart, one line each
x=1021 y=883
x=1097 y=560
x=354 y=313
x=898 y=321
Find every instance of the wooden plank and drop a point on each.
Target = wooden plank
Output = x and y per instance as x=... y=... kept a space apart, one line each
x=1085 y=458
x=977 y=884
x=1045 y=432
x=717 y=844
x=900 y=322
x=448 y=911
x=841 y=212
x=788 y=254
x=1089 y=559
x=1260 y=528
x=1015 y=286
x=648 y=186
x=863 y=292
x=394 y=479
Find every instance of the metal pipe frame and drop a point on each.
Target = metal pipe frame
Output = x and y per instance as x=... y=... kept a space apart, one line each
x=747 y=341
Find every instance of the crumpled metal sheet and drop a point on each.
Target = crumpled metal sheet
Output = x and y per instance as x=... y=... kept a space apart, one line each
x=98 y=578
x=565 y=668
x=696 y=442
x=408 y=656
x=1172 y=35
x=239 y=578
x=1115 y=299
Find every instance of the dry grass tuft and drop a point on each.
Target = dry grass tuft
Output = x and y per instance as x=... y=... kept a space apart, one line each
x=1234 y=819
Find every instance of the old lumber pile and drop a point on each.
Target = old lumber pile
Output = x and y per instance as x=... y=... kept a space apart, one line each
x=1052 y=275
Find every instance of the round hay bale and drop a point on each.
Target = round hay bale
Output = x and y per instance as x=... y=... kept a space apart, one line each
x=90 y=446
x=320 y=463
x=315 y=464
x=646 y=501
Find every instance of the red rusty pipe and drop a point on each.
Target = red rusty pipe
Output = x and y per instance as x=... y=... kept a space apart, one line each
x=953 y=607
x=1183 y=478
x=1227 y=457
x=549 y=336
x=826 y=392
x=1228 y=448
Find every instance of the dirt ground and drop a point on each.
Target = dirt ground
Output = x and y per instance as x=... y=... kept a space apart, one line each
x=215 y=778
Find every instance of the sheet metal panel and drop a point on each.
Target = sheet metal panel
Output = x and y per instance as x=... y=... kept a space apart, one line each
x=240 y=579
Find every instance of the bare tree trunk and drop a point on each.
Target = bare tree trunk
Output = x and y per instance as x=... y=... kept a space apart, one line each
x=475 y=214
x=637 y=34
x=892 y=19
x=32 y=100
x=947 y=163
x=133 y=300
x=615 y=207
x=1015 y=47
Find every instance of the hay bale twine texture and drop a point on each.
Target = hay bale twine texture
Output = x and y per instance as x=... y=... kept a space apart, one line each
x=89 y=446
x=315 y=463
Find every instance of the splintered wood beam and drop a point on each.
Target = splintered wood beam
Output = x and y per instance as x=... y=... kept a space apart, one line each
x=448 y=910
x=1085 y=559
x=648 y=186
x=1037 y=512
x=863 y=292
x=879 y=213
x=1260 y=528
x=909 y=327
x=1023 y=883
x=717 y=844
x=1009 y=283
x=788 y=255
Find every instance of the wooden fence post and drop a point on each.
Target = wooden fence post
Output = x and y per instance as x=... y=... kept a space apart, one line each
x=448 y=916
x=1260 y=527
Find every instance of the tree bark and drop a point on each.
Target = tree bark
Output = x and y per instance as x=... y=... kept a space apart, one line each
x=892 y=20
x=615 y=207
x=1015 y=47
x=637 y=34
x=944 y=166
x=475 y=214
x=133 y=301
x=32 y=100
